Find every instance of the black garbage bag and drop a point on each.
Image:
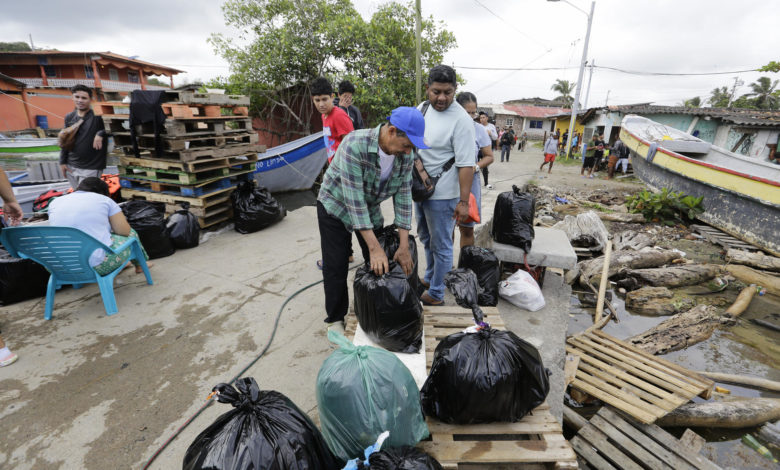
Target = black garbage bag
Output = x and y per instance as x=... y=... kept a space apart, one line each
x=485 y=265
x=388 y=310
x=484 y=376
x=402 y=458
x=20 y=279
x=254 y=208
x=182 y=228
x=462 y=282
x=389 y=239
x=148 y=219
x=513 y=219
x=264 y=431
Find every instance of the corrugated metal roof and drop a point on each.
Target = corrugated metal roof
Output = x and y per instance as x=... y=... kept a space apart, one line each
x=536 y=111
x=748 y=117
x=107 y=54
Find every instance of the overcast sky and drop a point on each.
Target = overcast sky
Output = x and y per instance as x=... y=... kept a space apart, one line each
x=679 y=36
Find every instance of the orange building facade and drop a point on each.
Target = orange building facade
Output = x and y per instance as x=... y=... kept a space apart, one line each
x=36 y=84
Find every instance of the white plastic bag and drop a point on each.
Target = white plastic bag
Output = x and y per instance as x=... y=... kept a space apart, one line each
x=522 y=290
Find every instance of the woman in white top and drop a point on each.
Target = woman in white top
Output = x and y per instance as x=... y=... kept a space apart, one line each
x=90 y=210
x=482 y=145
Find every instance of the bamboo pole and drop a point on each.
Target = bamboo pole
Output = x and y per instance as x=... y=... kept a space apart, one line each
x=752 y=382
x=743 y=301
x=603 y=284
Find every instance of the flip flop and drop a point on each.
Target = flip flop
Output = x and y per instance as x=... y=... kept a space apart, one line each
x=319 y=264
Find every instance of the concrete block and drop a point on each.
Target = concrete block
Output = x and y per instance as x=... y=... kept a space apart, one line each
x=551 y=248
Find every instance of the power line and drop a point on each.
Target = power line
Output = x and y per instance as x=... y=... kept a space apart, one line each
x=512 y=26
x=604 y=67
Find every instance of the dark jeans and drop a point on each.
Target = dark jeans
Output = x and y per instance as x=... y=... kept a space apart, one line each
x=485 y=175
x=336 y=245
x=505 y=149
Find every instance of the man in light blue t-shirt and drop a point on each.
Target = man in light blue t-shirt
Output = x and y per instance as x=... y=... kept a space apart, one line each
x=449 y=134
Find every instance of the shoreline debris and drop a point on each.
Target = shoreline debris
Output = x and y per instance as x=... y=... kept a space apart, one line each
x=732 y=413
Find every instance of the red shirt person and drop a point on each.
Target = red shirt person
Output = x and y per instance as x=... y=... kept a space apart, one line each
x=335 y=122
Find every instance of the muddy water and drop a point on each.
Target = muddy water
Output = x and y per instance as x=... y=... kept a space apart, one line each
x=745 y=349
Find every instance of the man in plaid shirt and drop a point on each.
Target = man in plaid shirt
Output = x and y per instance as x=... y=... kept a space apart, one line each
x=370 y=166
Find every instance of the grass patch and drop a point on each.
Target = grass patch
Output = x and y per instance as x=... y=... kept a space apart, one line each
x=597 y=206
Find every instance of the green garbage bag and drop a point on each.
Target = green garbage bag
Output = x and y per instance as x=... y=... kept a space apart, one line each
x=363 y=391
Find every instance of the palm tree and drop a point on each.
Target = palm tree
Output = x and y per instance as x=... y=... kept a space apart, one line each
x=564 y=87
x=694 y=102
x=763 y=91
x=719 y=98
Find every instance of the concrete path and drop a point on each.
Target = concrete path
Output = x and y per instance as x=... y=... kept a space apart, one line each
x=96 y=392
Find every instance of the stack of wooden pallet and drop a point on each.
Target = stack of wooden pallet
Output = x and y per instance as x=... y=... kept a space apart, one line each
x=207 y=145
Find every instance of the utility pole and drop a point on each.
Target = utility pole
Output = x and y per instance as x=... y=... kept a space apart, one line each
x=737 y=82
x=590 y=79
x=579 y=77
x=606 y=101
x=32 y=46
x=417 y=65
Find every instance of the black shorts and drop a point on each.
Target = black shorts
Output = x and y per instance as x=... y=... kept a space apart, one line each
x=588 y=162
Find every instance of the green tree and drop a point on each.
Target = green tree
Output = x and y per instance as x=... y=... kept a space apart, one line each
x=157 y=82
x=763 y=93
x=744 y=102
x=564 y=88
x=719 y=97
x=282 y=47
x=772 y=66
x=694 y=102
x=382 y=67
x=14 y=46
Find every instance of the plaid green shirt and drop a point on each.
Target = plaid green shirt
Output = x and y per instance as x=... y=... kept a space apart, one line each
x=350 y=189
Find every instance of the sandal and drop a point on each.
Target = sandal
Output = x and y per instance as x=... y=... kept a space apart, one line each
x=319 y=264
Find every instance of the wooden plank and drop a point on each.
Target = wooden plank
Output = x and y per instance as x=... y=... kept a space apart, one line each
x=198 y=166
x=603 y=395
x=624 y=360
x=633 y=405
x=497 y=452
x=668 y=441
x=632 y=429
x=628 y=446
x=692 y=441
x=599 y=441
x=586 y=451
x=570 y=368
x=202 y=201
x=667 y=405
x=643 y=384
x=684 y=374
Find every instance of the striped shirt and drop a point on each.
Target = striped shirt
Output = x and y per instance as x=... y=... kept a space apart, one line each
x=351 y=189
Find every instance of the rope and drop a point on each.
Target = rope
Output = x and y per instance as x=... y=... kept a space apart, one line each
x=30 y=104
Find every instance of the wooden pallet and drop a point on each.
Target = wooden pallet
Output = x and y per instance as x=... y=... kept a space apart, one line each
x=536 y=440
x=196 y=166
x=610 y=441
x=175 y=110
x=188 y=145
x=196 y=203
x=633 y=381
x=207 y=216
x=192 y=97
x=183 y=177
x=196 y=190
x=191 y=127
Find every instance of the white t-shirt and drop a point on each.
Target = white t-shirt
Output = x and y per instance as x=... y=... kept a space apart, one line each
x=491 y=129
x=88 y=212
x=386 y=163
x=448 y=133
x=481 y=137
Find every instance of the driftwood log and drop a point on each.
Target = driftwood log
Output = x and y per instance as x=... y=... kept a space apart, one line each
x=673 y=276
x=679 y=331
x=621 y=217
x=735 y=413
x=590 y=270
x=756 y=260
x=631 y=240
x=751 y=276
x=657 y=301
x=743 y=301
x=744 y=380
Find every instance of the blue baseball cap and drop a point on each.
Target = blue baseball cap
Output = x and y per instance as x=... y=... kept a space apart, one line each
x=411 y=121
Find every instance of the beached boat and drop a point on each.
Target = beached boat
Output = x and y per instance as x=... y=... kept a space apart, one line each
x=292 y=166
x=27 y=145
x=741 y=194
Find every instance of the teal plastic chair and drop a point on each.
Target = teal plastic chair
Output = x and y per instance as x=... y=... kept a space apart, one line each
x=65 y=252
